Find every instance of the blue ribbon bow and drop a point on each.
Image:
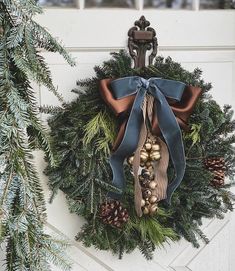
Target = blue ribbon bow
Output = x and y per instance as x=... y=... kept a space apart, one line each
x=160 y=89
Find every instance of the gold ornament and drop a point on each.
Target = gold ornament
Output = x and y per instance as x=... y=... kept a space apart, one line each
x=147 y=193
x=152 y=177
x=146 y=210
x=155 y=147
x=141 y=178
x=130 y=160
x=148 y=146
x=150 y=168
x=153 y=209
x=145 y=183
x=152 y=185
x=144 y=156
x=153 y=199
x=148 y=164
x=147 y=203
x=145 y=173
x=142 y=203
x=155 y=155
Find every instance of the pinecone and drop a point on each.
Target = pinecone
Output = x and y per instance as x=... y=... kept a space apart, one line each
x=216 y=165
x=113 y=213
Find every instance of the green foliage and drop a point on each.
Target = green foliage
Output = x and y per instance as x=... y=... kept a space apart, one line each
x=82 y=133
x=102 y=127
x=150 y=228
x=22 y=204
x=144 y=233
x=194 y=134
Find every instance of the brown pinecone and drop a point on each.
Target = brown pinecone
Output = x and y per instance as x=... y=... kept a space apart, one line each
x=113 y=213
x=216 y=165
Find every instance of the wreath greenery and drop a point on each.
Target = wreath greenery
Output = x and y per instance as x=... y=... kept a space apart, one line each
x=82 y=133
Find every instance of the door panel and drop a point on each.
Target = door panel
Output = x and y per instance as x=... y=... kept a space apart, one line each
x=204 y=39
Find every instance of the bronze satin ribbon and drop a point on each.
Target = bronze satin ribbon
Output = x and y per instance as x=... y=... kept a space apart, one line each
x=182 y=109
x=160 y=167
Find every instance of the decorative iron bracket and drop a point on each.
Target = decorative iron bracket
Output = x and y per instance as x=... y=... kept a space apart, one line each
x=142 y=40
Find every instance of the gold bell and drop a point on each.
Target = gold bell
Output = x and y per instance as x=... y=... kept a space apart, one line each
x=144 y=156
x=148 y=164
x=147 y=203
x=145 y=173
x=155 y=147
x=152 y=176
x=148 y=146
x=155 y=155
x=142 y=203
x=150 y=168
x=147 y=193
x=152 y=185
x=146 y=210
x=141 y=178
x=130 y=160
x=145 y=182
x=153 y=199
x=153 y=209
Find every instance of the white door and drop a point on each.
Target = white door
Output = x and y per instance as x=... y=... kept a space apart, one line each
x=195 y=33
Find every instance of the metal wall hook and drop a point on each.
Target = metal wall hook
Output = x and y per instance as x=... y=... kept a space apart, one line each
x=142 y=38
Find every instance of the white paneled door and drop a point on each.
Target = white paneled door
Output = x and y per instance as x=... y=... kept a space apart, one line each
x=195 y=33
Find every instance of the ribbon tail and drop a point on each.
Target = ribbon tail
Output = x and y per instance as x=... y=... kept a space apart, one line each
x=172 y=134
x=118 y=174
x=160 y=169
x=161 y=177
x=136 y=162
x=128 y=145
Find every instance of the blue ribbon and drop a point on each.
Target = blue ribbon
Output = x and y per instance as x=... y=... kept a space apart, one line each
x=160 y=89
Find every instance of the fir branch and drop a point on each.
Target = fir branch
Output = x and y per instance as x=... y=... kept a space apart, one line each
x=22 y=204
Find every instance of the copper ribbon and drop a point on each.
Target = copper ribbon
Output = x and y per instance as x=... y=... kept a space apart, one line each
x=182 y=109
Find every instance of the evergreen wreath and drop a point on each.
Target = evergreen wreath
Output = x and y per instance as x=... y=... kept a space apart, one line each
x=83 y=132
